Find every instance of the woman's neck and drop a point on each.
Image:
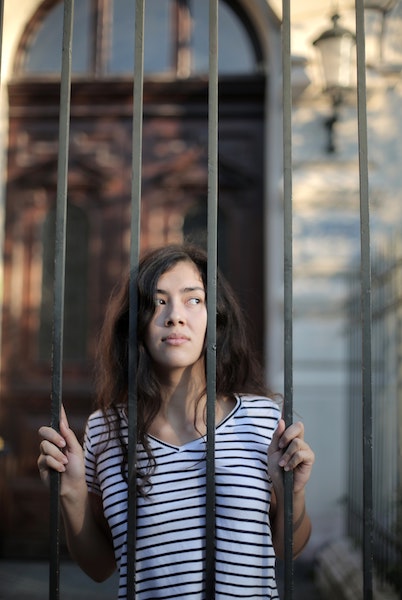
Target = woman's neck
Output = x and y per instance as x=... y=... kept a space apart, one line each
x=183 y=395
x=182 y=387
x=182 y=417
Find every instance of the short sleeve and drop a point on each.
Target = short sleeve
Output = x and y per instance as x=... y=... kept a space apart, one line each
x=90 y=461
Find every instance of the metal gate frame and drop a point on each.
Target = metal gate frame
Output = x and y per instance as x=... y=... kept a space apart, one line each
x=60 y=257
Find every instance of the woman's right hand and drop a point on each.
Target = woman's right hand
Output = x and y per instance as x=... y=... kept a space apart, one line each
x=61 y=452
x=88 y=538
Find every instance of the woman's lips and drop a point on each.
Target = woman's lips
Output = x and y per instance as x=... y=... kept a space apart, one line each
x=175 y=339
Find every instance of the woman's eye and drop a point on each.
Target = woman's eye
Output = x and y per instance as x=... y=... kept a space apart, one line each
x=194 y=300
x=159 y=301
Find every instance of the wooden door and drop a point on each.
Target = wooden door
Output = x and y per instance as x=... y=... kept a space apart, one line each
x=175 y=174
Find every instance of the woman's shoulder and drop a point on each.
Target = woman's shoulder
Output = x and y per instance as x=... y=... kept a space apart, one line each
x=101 y=420
x=259 y=403
x=104 y=429
x=259 y=399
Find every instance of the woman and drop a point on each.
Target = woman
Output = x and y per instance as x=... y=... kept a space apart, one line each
x=252 y=446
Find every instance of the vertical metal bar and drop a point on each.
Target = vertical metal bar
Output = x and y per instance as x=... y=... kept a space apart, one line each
x=101 y=33
x=1 y=168
x=60 y=257
x=1 y=31
x=365 y=308
x=398 y=399
x=211 y=294
x=288 y=287
x=354 y=392
x=133 y=308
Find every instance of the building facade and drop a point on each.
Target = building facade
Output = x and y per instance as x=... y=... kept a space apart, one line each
x=175 y=169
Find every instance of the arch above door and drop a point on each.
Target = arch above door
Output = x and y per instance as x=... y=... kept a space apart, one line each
x=103 y=43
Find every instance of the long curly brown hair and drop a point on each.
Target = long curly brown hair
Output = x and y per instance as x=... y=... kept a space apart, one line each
x=237 y=368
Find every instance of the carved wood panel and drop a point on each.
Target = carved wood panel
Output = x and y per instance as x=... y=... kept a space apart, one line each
x=175 y=177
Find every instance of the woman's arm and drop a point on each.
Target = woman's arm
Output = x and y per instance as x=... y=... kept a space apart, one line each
x=289 y=451
x=88 y=537
x=301 y=524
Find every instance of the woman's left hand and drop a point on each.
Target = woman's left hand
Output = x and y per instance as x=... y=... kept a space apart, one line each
x=288 y=451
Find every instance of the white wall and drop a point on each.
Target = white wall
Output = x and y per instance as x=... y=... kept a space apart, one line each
x=327 y=244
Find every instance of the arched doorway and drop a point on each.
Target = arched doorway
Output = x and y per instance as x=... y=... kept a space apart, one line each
x=174 y=194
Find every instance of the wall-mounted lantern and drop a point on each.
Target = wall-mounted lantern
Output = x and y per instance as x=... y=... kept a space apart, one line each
x=336 y=48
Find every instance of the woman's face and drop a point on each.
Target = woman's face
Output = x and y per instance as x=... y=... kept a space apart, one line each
x=176 y=333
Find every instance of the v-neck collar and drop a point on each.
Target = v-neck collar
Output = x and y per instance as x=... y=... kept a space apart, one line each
x=201 y=438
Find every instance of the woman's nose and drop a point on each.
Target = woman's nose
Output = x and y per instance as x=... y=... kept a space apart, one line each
x=174 y=317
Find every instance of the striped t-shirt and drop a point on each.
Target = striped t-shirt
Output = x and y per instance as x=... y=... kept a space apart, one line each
x=170 y=550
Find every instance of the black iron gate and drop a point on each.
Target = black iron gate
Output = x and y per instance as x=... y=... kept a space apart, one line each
x=387 y=411
x=365 y=286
